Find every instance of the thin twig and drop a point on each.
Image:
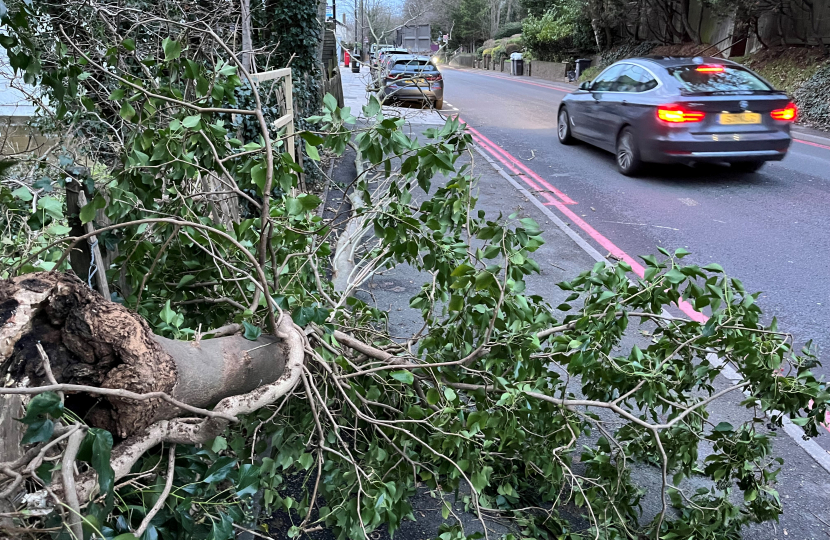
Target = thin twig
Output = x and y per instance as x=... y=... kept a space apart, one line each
x=171 y=468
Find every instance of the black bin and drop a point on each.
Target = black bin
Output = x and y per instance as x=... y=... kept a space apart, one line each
x=518 y=67
x=355 y=66
x=581 y=65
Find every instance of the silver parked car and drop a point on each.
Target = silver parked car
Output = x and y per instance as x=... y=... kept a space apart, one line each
x=412 y=78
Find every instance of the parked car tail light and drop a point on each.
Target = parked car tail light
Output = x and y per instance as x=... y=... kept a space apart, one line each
x=711 y=68
x=678 y=115
x=786 y=114
x=394 y=76
x=436 y=77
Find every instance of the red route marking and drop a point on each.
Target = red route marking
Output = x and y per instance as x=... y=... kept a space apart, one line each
x=510 y=162
x=812 y=144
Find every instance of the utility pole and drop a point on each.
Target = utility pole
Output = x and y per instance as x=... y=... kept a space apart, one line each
x=362 y=30
x=355 y=25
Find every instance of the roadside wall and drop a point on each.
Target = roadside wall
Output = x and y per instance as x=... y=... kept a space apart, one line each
x=550 y=71
x=463 y=60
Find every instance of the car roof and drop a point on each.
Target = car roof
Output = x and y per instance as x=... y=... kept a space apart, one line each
x=677 y=61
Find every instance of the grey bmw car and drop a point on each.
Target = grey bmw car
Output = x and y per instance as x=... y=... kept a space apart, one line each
x=679 y=110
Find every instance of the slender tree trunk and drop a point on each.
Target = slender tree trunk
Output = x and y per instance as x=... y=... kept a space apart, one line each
x=247 y=42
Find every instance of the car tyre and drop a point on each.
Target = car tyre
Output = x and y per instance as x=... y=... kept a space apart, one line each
x=439 y=104
x=627 y=154
x=748 y=166
x=563 y=128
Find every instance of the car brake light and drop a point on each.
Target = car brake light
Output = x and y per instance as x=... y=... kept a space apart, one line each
x=433 y=77
x=786 y=114
x=678 y=115
x=710 y=69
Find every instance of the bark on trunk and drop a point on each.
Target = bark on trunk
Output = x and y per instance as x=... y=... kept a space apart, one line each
x=94 y=342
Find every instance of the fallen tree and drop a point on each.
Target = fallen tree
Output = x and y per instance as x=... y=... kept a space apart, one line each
x=226 y=364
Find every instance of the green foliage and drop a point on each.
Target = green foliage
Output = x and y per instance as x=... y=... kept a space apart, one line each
x=561 y=32
x=811 y=107
x=489 y=401
x=471 y=22
x=509 y=29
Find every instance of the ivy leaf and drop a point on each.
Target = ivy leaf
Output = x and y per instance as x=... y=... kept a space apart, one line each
x=312 y=138
x=87 y=213
x=128 y=44
x=172 y=49
x=251 y=332
x=403 y=376
x=23 y=194
x=219 y=444
x=51 y=206
x=222 y=528
x=433 y=396
x=220 y=470
x=449 y=393
x=127 y=111
x=247 y=482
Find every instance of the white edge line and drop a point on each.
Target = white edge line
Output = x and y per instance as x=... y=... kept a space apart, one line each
x=795 y=433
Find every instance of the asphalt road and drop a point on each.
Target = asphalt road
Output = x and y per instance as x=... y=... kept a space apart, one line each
x=769 y=229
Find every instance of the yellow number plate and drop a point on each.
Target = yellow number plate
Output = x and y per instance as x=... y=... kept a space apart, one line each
x=740 y=118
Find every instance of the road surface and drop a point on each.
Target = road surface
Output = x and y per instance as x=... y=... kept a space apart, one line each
x=770 y=229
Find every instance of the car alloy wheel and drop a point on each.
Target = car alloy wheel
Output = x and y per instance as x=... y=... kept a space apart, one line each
x=563 y=128
x=628 y=158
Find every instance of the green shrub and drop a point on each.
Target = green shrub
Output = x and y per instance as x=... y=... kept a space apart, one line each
x=562 y=32
x=590 y=73
x=509 y=29
x=811 y=99
x=510 y=48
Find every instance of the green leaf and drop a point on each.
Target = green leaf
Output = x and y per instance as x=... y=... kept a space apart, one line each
x=312 y=138
x=222 y=528
x=372 y=108
x=680 y=253
x=101 y=454
x=251 y=332
x=172 y=49
x=128 y=44
x=312 y=152
x=51 y=206
x=126 y=536
x=185 y=280
x=305 y=460
x=433 y=396
x=219 y=444
x=127 y=111
x=47 y=403
x=167 y=314
x=58 y=230
x=258 y=176
x=220 y=470
x=674 y=276
x=714 y=267
x=449 y=393
x=38 y=431
x=87 y=213
x=247 y=482
x=23 y=194
x=724 y=426
x=403 y=376
x=456 y=303
x=191 y=122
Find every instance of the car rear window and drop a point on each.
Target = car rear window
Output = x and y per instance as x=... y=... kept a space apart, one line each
x=417 y=65
x=716 y=78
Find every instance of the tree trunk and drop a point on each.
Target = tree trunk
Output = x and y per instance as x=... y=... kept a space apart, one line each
x=96 y=343
x=247 y=41
x=93 y=342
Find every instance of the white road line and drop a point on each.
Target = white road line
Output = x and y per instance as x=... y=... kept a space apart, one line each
x=794 y=432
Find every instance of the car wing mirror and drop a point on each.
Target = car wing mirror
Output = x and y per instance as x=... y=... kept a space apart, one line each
x=586 y=85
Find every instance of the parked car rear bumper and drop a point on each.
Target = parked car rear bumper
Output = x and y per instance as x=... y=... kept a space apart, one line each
x=413 y=93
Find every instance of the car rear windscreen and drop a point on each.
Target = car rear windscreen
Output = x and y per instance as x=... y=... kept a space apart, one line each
x=414 y=65
x=709 y=78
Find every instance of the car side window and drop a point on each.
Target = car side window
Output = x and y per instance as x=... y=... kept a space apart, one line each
x=636 y=79
x=606 y=79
